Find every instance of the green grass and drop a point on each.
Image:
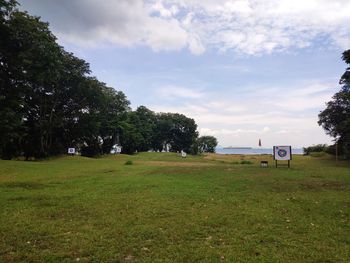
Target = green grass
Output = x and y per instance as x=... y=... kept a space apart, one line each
x=317 y=154
x=164 y=208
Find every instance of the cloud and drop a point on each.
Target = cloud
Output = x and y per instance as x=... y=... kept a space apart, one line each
x=245 y=26
x=287 y=116
x=171 y=92
x=123 y=22
x=255 y=27
x=216 y=132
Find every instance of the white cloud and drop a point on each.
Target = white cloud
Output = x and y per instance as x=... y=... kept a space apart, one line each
x=271 y=25
x=245 y=26
x=287 y=116
x=122 y=22
x=165 y=35
x=171 y=92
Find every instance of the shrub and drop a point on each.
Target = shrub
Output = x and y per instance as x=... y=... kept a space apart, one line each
x=315 y=148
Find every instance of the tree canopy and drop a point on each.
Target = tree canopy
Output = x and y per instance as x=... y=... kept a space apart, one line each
x=207 y=144
x=49 y=101
x=335 y=119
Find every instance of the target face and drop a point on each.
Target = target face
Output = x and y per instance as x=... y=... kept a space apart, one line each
x=282 y=153
x=71 y=150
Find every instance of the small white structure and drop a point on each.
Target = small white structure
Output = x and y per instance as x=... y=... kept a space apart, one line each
x=71 y=151
x=116 y=149
x=183 y=154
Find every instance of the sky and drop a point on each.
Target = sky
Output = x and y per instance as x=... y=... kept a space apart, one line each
x=243 y=69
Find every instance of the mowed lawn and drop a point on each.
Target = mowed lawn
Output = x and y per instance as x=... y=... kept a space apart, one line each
x=163 y=208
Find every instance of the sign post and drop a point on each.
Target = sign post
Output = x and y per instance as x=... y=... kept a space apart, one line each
x=282 y=153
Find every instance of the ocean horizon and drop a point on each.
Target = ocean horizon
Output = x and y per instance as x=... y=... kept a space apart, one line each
x=252 y=151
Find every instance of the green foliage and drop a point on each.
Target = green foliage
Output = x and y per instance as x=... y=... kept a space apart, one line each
x=176 y=131
x=335 y=119
x=49 y=101
x=206 y=144
x=128 y=162
x=138 y=130
x=315 y=148
x=345 y=78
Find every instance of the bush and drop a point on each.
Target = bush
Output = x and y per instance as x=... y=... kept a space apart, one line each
x=128 y=162
x=315 y=148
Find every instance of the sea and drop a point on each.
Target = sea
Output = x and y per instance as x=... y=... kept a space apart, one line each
x=253 y=151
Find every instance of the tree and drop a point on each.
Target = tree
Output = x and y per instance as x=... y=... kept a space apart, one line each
x=114 y=111
x=49 y=101
x=146 y=125
x=335 y=119
x=138 y=130
x=29 y=59
x=175 y=130
x=131 y=137
x=207 y=144
x=11 y=96
x=345 y=78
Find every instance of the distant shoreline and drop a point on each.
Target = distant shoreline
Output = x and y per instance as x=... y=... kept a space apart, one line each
x=252 y=151
x=230 y=147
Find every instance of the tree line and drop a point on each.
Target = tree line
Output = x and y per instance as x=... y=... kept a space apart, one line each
x=49 y=101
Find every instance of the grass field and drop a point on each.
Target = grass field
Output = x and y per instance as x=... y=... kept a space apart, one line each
x=163 y=208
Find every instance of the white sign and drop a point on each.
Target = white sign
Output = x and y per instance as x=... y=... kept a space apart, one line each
x=71 y=150
x=116 y=149
x=282 y=153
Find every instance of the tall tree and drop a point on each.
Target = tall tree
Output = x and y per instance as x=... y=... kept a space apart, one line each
x=11 y=95
x=113 y=112
x=335 y=119
x=28 y=68
x=175 y=130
